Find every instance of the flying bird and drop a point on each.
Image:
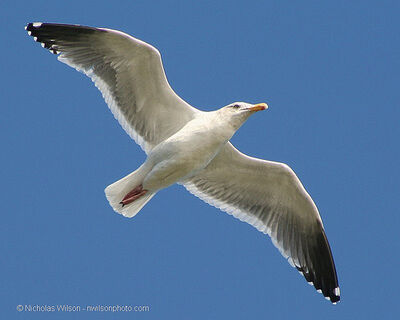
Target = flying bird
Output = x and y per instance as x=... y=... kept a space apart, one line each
x=191 y=147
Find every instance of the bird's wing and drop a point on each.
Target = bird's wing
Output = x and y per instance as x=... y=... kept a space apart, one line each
x=269 y=196
x=127 y=71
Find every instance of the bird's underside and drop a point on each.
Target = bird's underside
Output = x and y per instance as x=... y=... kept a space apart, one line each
x=265 y=194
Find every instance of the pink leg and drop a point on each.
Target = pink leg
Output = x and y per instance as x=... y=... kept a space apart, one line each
x=133 y=195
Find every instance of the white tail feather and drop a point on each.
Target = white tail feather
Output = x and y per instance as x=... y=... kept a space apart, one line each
x=115 y=193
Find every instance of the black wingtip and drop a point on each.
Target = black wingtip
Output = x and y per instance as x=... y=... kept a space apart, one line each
x=37 y=31
x=54 y=35
x=32 y=26
x=318 y=267
x=335 y=296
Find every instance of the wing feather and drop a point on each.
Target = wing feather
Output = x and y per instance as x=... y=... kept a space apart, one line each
x=127 y=71
x=269 y=196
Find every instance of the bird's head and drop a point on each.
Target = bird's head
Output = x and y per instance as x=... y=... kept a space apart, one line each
x=238 y=112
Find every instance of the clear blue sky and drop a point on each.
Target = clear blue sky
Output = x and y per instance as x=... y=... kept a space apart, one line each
x=329 y=71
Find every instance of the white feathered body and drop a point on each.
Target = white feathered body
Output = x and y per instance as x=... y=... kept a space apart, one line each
x=176 y=159
x=187 y=152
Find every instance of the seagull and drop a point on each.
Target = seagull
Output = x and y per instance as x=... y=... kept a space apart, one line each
x=191 y=147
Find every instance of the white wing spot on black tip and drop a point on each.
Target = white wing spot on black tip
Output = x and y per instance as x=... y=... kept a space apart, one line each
x=29 y=32
x=334 y=302
x=319 y=291
x=327 y=298
x=337 y=291
x=37 y=24
x=43 y=44
x=35 y=38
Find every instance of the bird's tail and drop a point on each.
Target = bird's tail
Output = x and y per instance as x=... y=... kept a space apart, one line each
x=118 y=190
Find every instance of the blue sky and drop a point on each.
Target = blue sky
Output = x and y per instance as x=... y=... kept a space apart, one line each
x=329 y=71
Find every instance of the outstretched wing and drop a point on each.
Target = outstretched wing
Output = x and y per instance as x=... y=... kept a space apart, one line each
x=127 y=71
x=269 y=196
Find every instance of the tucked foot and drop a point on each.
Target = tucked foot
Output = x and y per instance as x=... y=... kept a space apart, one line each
x=133 y=195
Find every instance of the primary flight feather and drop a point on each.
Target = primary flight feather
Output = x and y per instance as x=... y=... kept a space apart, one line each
x=187 y=146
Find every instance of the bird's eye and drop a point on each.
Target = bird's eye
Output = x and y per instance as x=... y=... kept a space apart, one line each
x=235 y=106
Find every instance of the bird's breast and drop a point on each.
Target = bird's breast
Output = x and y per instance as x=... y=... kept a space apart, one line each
x=187 y=152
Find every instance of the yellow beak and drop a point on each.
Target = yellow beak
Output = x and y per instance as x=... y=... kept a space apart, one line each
x=259 y=107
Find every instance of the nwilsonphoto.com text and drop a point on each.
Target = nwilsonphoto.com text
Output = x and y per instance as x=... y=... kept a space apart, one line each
x=79 y=308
